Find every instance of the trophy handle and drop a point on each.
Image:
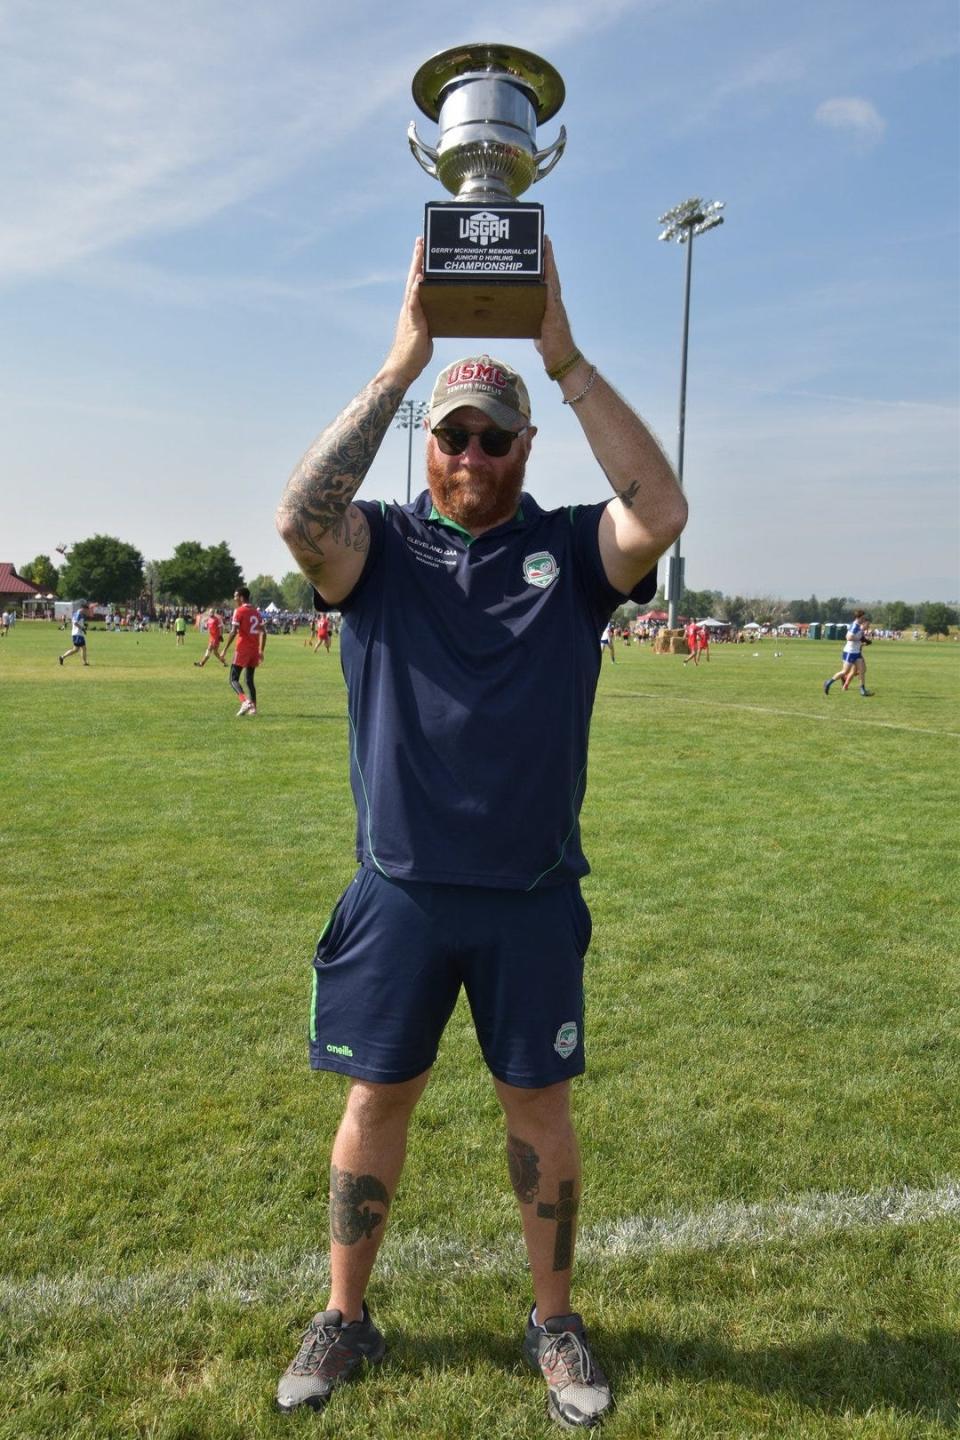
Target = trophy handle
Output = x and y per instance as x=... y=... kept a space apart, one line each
x=554 y=151
x=420 y=150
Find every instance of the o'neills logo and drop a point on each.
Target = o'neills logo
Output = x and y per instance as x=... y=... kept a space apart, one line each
x=484 y=228
x=475 y=374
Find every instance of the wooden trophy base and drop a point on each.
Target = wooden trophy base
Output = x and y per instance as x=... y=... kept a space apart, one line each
x=483 y=269
x=511 y=311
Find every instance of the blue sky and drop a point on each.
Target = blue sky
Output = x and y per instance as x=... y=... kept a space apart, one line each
x=208 y=213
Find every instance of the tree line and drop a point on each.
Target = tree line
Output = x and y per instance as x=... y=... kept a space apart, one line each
x=111 y=571
x=105 y=569
x=738 y=610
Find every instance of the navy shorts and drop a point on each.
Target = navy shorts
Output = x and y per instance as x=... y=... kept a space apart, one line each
x=390 y=963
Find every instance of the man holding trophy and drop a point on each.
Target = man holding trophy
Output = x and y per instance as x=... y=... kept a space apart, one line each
x=470 y=648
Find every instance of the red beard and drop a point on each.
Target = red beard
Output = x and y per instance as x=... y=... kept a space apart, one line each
x=478 y=496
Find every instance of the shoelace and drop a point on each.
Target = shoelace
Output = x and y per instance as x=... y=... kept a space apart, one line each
x=316 y=1346
x=568 y=1350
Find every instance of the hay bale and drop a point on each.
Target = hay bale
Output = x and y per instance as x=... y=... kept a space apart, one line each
x=671 y=642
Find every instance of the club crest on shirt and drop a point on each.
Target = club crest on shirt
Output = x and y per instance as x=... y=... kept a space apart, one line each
x=540 y=569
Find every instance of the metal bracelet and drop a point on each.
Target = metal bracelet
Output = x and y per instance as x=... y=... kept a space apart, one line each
x=575 y=399
x=565 y=366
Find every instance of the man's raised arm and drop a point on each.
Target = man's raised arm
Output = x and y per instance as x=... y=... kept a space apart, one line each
x=326 y=533
x=649 y=510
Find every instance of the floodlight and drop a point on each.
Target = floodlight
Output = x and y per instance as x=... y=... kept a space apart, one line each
x=691 y=217
x=410 y=415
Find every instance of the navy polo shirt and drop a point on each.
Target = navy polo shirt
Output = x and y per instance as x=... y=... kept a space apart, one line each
x=471 y=667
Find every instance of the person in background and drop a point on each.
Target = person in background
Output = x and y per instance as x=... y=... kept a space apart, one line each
x=703 y=643
x=78 y=634
x=851 y=656
x=248 y=630
x=860 y=666
x=214 y=637
x=693 y=649
x=323 y=632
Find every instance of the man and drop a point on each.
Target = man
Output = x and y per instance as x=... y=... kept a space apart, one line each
x=249 y=631
x=703 y=643
x=469 y=647
x=214 y=636
x=180 y=629
x=852 y=658
x=78 y=636
x=606 y=641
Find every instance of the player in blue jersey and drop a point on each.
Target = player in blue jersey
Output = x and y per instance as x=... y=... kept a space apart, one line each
x=852 y=661
x=469 y=648
x=78 y=634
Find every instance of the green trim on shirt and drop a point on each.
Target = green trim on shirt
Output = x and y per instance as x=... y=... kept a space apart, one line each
x=445 y=520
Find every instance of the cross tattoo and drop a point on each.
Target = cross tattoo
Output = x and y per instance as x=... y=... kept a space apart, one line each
x=563 y=1212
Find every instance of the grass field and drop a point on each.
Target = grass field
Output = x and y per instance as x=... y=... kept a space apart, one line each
x=771 y=1218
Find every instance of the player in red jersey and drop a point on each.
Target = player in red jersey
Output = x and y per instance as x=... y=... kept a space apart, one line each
x=214 y=636
x=248 y=630
x=323 y=632
x=693 y=649
x=703 y=642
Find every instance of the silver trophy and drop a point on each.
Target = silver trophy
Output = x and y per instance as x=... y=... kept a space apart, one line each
x=483 y=253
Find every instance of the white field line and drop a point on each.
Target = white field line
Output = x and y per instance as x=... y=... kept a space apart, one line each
x=771 y=710
x=303 y=1277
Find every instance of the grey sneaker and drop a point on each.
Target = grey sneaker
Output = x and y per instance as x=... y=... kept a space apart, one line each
x=330 y=1353
x=578 y=1392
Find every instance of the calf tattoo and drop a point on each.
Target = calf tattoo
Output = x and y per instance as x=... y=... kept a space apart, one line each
x=523 y=1161
x=348 y=1193
x=564 y=1212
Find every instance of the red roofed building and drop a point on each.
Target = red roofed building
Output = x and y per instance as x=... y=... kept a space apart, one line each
x=13 y=589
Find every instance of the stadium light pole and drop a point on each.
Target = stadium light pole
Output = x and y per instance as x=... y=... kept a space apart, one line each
x=691 y=217
x=410 y=415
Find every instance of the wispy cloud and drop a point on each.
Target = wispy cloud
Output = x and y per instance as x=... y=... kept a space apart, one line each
x=772 y=69
x=165 y=286
x=124 y=119
x=854 y=116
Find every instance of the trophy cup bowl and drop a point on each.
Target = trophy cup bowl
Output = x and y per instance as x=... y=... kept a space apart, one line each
x=488 y=101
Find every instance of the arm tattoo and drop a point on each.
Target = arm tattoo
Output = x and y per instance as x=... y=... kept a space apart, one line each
x=564 y=1212
x=629 y=495
x=523 y=1161
x=316 y=502
x=348 y=1222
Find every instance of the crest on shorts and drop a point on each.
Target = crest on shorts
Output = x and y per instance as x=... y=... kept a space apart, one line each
x=566 y=1041
x=540 y=569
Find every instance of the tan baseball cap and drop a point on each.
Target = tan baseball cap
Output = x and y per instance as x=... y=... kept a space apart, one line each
x=482 y=383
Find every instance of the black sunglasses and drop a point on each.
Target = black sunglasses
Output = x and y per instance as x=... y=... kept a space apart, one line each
x=454 y=439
